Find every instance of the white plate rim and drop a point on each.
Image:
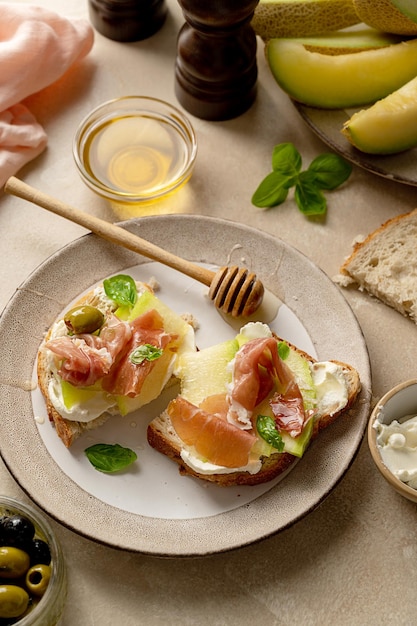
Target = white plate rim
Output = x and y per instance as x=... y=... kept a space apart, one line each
x=285 y=271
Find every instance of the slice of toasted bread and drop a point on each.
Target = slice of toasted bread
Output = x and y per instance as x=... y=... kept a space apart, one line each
x=68 y=430
x=385 y=264
x=163 y=438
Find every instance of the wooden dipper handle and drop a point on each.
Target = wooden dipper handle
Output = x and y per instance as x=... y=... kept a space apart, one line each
x=108 y=231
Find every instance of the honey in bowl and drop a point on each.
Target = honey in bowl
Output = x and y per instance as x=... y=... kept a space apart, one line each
x=135 y=150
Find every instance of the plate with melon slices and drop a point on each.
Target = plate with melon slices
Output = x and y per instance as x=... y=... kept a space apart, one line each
x=327 y=125
x=151 y=508
x=356 y=89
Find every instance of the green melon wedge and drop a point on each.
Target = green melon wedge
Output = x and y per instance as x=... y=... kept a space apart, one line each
x=387 y=127
x=205 y=373
x=345 y=80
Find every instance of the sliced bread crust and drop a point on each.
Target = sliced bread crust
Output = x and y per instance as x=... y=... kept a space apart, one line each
x=163 y=438
x=385 y=264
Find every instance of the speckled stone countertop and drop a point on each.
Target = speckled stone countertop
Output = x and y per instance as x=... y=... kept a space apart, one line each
x=329 y=567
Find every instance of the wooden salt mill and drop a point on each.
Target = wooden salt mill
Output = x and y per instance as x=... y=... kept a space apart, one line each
x=215 y=68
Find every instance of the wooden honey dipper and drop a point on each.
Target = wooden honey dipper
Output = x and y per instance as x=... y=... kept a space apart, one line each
x=235 y=291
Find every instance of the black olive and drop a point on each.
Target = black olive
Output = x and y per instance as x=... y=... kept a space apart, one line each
x=3 y=518
x=18 y=531
x=39 y=553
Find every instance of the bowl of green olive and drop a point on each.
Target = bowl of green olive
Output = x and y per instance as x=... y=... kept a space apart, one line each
x=33 y=583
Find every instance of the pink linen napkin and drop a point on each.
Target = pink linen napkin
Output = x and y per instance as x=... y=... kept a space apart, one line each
x=37 y=47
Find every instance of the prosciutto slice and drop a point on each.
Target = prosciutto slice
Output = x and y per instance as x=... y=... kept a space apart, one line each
x=257 y=370
x=85 y=359
x=288 y=410
x=127 y=378
x=210 y=434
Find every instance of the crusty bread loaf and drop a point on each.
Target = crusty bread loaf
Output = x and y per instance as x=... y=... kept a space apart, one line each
x=385 y=264
x=162 y=436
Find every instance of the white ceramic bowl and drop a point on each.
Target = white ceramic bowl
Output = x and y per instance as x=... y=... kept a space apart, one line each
x=47 y=609
x=395 y=404
x=135 y=150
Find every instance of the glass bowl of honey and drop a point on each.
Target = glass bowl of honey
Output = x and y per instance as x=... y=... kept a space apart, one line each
x=135 y=150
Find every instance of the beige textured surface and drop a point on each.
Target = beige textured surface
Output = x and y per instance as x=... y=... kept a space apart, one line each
x=327 y=569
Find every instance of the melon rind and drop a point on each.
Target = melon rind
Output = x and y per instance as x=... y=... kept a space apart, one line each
x=385 y=16
x=295 y=18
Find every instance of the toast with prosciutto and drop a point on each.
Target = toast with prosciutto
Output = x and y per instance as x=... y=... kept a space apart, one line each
x=249 y=407
x=111 y=353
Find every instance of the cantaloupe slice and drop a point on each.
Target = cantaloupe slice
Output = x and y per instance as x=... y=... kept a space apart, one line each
x=302 y=18
x=345 y=80
x=387 y=127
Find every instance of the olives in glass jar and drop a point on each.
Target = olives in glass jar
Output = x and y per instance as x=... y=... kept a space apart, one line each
x=25 y=568
x=83 y=319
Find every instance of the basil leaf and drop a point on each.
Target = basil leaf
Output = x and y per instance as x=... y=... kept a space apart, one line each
x=121 y=289
x=146 y=352
x=309 y=198
x=272 y=191
x=283 y=350
x=326 y=171
x=110 y=458
x=330 y=170
x=286 y=160
x=265 y=426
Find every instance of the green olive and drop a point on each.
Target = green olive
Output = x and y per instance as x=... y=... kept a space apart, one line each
x=84 y=319
x=13 y=562
x=37 y=579
x=13 y=601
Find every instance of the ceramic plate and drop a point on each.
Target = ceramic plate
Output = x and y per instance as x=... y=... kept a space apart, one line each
x=327 y=125
x=150 y=508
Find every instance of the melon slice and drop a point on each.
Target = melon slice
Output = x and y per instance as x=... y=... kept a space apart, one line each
x=205 y=373
x=387 y=127
x=345 y=80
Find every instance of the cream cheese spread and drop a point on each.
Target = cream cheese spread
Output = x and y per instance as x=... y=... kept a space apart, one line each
x=87 y=411
x=331 y=387
x=397 y=443
x=207 y=468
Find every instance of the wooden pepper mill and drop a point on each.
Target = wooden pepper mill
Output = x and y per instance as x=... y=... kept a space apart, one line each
x=215 y=68
x=127 y=20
